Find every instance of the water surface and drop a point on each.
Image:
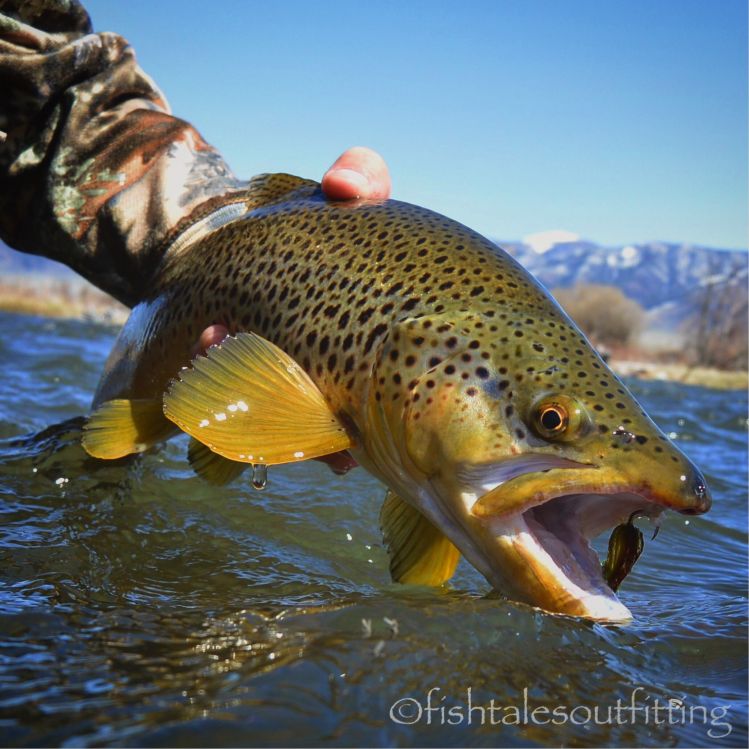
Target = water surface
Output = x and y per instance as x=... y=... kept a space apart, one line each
x=141 y=606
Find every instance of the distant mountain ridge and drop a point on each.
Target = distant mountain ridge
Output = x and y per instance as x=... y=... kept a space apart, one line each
x=664 y=277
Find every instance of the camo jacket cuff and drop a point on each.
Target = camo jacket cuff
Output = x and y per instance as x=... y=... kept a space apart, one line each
x=95 y=171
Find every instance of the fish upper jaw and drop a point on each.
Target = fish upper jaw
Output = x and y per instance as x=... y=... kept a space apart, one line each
x=684 y=491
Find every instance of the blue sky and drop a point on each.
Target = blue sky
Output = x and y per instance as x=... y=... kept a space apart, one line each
x=621 y=121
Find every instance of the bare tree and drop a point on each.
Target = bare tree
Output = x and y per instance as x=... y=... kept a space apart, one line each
x=716 y=333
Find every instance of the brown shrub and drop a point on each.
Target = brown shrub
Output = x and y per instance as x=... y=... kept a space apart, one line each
x=606 y=315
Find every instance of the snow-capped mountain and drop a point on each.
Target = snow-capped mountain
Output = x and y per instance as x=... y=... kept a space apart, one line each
x=653 y=273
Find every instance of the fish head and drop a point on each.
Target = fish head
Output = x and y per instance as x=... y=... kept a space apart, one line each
x=512 y=435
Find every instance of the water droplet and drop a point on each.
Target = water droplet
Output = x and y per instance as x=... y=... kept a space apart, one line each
x=259 y=476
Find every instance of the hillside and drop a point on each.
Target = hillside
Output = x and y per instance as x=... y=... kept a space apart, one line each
x=655 y=274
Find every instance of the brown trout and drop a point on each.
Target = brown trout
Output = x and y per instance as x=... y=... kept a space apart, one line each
x=431 y=355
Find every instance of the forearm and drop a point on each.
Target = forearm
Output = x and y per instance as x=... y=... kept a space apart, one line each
x=94 y=170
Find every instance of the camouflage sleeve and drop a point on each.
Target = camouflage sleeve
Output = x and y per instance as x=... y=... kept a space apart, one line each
x=94 y=170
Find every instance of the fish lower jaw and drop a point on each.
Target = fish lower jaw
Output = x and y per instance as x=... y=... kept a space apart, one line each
x=542 y=555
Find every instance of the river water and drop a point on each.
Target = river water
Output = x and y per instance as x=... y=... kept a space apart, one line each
x=141 y=606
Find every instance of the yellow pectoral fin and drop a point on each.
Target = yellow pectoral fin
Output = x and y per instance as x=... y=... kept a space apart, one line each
x=419 y=552
x=251 y=402
x=122 y=427
x=211 y=466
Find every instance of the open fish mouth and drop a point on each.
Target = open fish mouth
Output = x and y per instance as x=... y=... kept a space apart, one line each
x=533 y=524
x=552 y=542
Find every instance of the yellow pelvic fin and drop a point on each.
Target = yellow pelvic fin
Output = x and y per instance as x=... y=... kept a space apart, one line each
x=251 y=402
x=121 y=427
x=211 y=466
x=419 y=553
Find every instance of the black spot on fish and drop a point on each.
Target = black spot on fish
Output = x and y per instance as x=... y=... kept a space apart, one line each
x=395 y=288
x=410 y=304
x=374 y=334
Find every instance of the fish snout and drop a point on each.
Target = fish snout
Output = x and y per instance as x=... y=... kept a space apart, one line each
x=696 y=493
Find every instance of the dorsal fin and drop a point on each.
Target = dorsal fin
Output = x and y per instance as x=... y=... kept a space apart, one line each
x=265 y=189
x=251 y=402
x=419 y=553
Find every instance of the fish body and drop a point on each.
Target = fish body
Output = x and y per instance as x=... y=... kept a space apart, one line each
x=442 y=365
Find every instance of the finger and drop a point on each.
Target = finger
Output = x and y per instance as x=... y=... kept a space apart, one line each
x=358 y=172
x=211 y=336
x=339 y=463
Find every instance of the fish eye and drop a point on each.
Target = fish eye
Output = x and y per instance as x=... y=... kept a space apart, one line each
x=559 y=418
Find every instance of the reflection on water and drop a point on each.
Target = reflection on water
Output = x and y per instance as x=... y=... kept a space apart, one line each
x=140 y=605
